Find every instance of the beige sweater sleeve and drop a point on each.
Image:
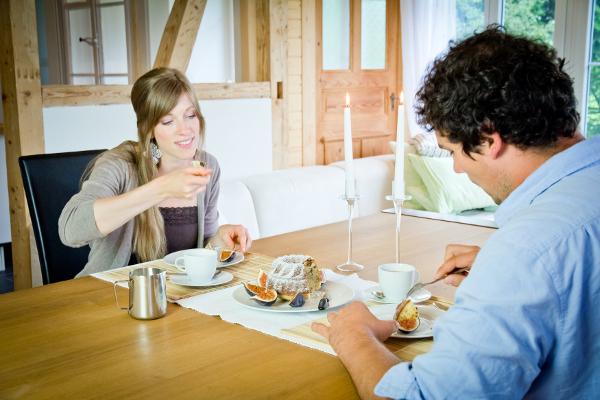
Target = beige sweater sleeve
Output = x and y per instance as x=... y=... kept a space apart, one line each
x=77 y=223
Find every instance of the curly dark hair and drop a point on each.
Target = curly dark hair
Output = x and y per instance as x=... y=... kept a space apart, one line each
x=497 y=82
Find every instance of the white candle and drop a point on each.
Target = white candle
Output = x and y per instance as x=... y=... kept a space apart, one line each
x=350 y=188
x=398 y=184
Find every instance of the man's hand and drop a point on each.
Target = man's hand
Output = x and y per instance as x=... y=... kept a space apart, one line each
x=353 y=320
x=457 y=256
x=356 y=335
x=233 y=237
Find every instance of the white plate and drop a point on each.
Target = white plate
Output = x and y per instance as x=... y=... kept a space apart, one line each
x=185 y=280
x=171 y=257
x=339 y=294
x=427 y=314
x=419 y=297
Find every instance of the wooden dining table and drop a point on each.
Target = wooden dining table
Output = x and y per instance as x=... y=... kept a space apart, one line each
x=69 y=340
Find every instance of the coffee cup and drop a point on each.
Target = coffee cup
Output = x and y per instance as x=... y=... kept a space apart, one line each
x=396 y=280
x=199 y=265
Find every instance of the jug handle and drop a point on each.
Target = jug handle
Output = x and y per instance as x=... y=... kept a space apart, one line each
x=115 y=290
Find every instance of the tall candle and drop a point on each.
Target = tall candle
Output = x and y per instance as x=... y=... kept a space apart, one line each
x=398 y=184
x=350 y=187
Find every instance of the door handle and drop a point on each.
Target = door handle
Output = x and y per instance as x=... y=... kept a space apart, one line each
x=392 y=100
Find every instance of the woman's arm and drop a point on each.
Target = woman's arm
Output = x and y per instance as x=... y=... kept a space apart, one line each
x=112 y=212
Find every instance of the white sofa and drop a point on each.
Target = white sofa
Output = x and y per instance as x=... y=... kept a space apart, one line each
x=297 y=198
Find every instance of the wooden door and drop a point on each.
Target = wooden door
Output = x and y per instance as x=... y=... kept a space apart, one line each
x=365 y=64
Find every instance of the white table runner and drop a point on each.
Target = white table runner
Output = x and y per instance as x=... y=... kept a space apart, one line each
x=221 y=303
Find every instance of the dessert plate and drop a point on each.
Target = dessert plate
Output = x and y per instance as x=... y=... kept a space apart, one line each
x=184 y=280
x=427 y=314
x=419 y=297
x=171 y=257
x=338 y=293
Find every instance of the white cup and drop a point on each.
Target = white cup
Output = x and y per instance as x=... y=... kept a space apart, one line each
x=396 y=280
x=199 y=265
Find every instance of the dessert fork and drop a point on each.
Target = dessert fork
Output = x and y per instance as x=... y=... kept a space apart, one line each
x=420 y=285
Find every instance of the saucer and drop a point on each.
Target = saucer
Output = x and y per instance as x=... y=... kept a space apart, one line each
x=184 y=280
x=419 y=297
x=171 y=257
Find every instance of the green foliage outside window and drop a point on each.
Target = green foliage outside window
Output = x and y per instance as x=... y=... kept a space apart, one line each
x=593 y=110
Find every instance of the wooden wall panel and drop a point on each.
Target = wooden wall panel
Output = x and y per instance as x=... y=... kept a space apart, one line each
x=309 y=85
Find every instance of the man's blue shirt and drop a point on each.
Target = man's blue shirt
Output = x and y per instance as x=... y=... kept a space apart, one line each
x=526 y=322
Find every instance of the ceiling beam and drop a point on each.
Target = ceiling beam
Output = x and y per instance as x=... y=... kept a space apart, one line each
x=180 y=33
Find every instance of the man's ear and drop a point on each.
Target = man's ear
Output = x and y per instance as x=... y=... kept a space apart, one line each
x=493 y=145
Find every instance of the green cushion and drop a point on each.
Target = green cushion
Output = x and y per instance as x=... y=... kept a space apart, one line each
x=440 y=188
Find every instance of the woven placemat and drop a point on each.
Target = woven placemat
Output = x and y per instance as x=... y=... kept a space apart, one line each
x=405 y=349
x=245 y=271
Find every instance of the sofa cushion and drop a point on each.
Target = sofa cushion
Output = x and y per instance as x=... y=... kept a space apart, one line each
x=236 y=207
x=297 y=198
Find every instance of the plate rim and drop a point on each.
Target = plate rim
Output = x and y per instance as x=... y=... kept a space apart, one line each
x=226 y=278
x=258 y=307
x=219 y=263
x=370 y=297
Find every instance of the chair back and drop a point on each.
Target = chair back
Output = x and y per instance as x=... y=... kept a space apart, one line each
x=50 y=180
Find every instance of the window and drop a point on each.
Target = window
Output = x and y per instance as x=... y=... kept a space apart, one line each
x=531 y=18
x=593 y=96
x=95 y=39
x=470 y=17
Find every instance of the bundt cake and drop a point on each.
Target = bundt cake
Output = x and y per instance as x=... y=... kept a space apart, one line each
x=294 y=274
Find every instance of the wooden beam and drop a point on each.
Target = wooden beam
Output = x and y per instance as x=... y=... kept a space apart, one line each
x=254 y=38
x=140 y=41
x=83 y=95
x=278 y=68
x=309 y=83
x=179 y=36
x=24 y=131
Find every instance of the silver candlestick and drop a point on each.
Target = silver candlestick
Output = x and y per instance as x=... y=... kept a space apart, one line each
x=398 y=200
x=349 y=265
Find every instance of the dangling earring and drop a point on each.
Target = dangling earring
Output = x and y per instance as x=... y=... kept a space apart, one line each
x=156 y=153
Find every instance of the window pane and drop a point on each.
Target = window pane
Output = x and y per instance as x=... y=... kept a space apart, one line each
x=83 y=80
x=469 y=17
x=372 y=32
x=531 y=18
x=336 y=34
x=593 y=105
x=82 y=52
x=114 y=39
x=114 y=80
x=596 y=33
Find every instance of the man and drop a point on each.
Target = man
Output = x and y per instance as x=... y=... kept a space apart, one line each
x=526 y=321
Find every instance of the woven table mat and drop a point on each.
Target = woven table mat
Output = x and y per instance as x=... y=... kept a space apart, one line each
x=245 y=271
x=405 y=349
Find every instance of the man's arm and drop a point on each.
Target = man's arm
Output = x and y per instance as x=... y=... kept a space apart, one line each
x=356 y=335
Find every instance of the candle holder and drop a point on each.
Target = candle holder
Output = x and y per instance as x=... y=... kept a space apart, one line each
x=349 y=265
x=398 y=200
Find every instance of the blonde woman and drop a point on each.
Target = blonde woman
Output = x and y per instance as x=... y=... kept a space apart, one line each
x=144 y=199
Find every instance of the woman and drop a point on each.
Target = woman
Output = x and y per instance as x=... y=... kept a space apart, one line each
x=142 y=200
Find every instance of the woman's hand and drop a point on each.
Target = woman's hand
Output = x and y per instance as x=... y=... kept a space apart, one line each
x=457 y=256
x=234 y=237
x=184 y=183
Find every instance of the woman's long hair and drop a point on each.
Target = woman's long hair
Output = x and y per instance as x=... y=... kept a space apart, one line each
x=153 y=96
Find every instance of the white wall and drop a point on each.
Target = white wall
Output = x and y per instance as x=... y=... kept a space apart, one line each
x=213 y=58
x=238 y=132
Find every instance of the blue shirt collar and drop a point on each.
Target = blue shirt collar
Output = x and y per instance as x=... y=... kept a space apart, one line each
x=565 y=163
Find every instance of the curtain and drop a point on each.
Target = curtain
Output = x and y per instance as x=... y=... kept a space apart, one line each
x=427 y=28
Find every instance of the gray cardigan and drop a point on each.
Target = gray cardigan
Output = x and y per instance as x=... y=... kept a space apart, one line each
x=110 y=177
